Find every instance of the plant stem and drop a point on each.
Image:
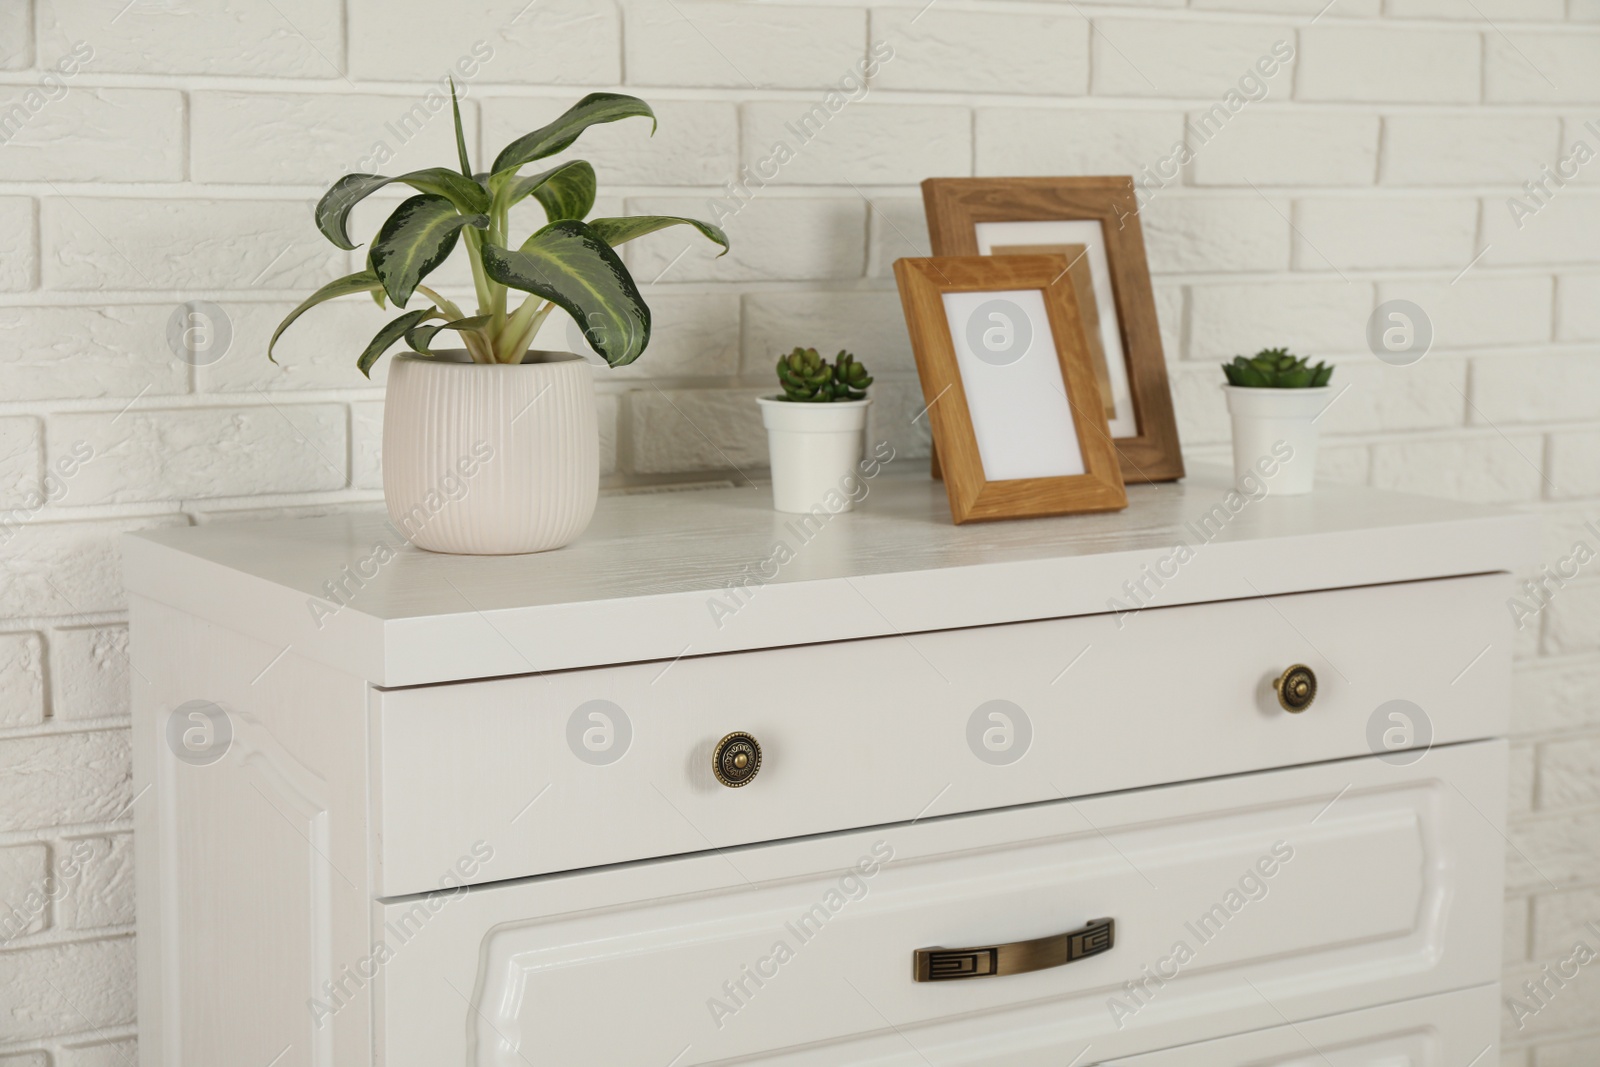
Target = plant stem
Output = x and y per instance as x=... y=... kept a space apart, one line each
x=533 y=328
x=447 y=306
x=480 y=279
x=477 y=345
x=513 y=338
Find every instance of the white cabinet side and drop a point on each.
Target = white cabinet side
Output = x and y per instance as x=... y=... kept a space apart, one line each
x=251 y=830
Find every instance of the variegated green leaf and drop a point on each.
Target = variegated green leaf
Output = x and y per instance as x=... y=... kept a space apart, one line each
x=566 y=192
x=387 y=336
x=418 y=237
x=569 y=265
x=461 y=137
x=360 y=282
x=333 y=210
x=617 y=231
x=558 y=135
x=419 y=337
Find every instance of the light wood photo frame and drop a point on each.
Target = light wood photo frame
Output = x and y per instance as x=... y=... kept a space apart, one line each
x=1009 y=380
x=1095 y=223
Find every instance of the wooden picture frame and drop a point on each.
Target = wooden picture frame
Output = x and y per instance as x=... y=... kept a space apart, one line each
x=962 y=217
x=984 y=330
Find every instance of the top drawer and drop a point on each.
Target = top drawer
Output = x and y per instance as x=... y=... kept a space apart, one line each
x=556 y=772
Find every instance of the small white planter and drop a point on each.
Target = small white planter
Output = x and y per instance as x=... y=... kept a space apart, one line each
x=816 y=449
x=486 y=459
x=1275 y=436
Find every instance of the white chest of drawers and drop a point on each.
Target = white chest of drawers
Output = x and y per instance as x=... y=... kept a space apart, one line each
x=968 y=741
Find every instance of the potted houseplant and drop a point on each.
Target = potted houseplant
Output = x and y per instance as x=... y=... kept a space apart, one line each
x=1274 y=398
x=493 y=448
x=816 y=428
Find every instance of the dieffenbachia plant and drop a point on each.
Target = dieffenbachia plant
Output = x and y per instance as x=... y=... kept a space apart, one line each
x=569 y=263
x=1276 y=368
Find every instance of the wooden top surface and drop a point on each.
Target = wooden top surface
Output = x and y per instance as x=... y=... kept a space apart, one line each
x=662 y=575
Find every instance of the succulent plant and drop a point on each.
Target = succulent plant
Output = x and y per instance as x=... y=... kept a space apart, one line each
x=807 y=378
x=850 y=378
x=1276 y=368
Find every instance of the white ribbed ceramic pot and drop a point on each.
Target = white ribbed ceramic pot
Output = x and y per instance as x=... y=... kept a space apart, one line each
x=490 y=459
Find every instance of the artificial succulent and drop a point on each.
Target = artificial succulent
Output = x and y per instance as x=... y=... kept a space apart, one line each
x=810 y=379
x=1276 y=368
x=850 y=378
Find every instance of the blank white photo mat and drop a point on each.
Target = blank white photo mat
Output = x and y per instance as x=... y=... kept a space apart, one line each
x=1086 y=232
x=1019 y=409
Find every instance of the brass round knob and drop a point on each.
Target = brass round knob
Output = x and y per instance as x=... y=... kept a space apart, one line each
x=736 y=760
x=1296 y=687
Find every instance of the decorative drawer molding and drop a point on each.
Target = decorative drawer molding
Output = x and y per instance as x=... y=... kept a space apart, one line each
x=1303 y=892
x=1457 y=1029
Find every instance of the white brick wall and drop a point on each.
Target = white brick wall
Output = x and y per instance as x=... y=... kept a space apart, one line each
x=19 y=461
x=19 y=244
x=269 y=38
x=1383 y=63
x=984 y=51
x=92 y=243
x=1157 y=57
x=108 y=350
x=1072 y=141
x=1540 y=68
x=89 y=672
x=21 y=679
x=1430 y=149
x=1290 y=148
x=1384 y=233
x=178 y=163
x=1191 y=234
x=105 y=135
x=863 y=144
x=312 y=138
x=733 y=46
x=1325 y=318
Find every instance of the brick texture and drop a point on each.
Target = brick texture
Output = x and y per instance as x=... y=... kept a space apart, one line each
x=64 y=778
x=1028 y=142
x=166 y=166
x=1150 y=57
x=90 y=672
x=984 y=52
x=1389 y=64
x=21 y=679
x=95 y=134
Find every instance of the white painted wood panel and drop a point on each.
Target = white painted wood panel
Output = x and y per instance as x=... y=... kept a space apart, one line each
x=1460 y=1029
x=880 y=731
x=268 y=926
x=1366 y=903
x=646 y=580
x=253 y=887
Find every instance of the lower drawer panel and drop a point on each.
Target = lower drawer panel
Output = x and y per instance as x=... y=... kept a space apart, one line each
x=1239 y=903
x=1459 y=1029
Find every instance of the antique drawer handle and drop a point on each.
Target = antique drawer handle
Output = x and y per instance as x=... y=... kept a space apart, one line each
x=737 y=759
x=1297 y=688
x=1018 y=957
